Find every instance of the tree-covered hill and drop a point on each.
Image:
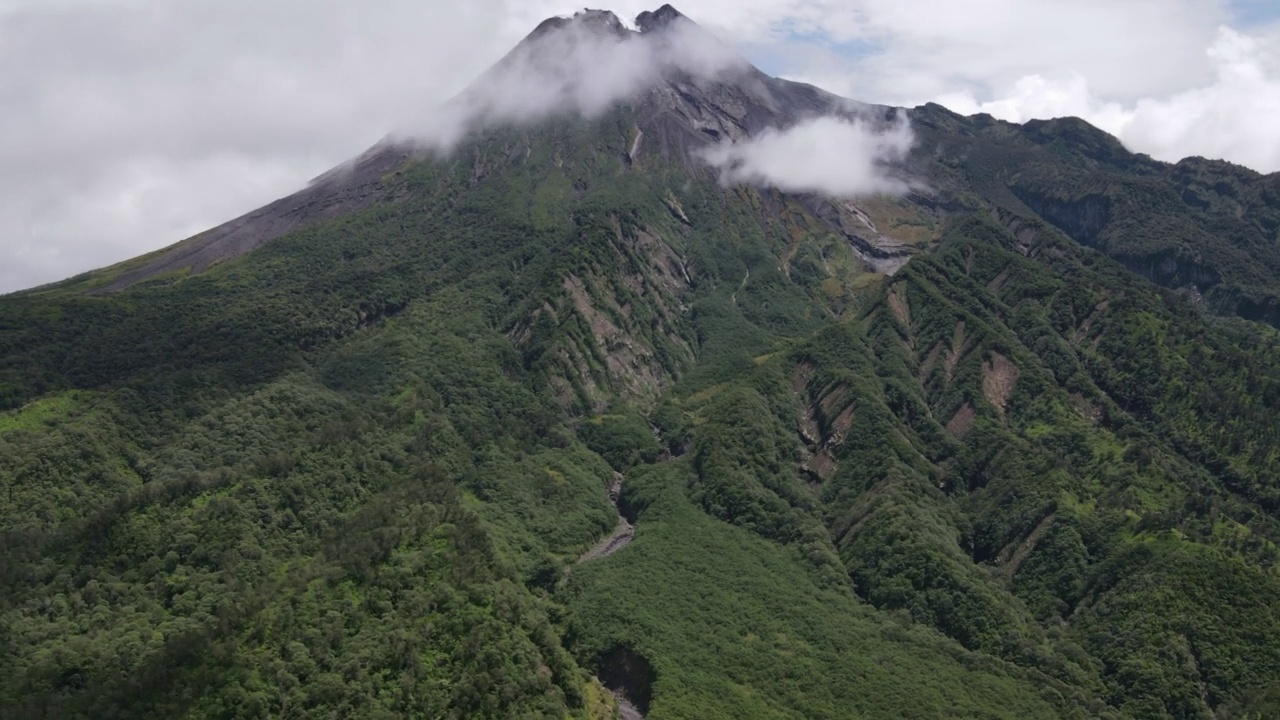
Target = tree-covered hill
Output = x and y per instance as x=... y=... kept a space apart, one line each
x=360 y=468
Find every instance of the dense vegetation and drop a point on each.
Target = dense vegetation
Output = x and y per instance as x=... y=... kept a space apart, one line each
x=1208 y=227
x=352 y=472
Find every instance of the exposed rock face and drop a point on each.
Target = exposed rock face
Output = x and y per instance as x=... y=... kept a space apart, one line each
x=648 y=21
x=999 y=377
x=629 y=676
x=1082 y=219
x=602 y=21
x=881 y=253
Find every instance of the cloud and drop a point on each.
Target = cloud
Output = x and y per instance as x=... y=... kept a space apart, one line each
x=583 y=65
x=1171 y=78
x=911 y=51
x=100 y=220
x=1232 y=118
x=127 y=125
x=843 y=157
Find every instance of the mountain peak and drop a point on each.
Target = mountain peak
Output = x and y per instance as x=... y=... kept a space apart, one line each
x=591 y=61
x=607 y=23
x=651 y=20
x=601 y=21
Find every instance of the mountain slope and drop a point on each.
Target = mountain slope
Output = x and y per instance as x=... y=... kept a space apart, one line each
x=351 y=462
x=1207 y=227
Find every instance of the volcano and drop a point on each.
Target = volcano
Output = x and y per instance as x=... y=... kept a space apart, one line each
x=636 y=382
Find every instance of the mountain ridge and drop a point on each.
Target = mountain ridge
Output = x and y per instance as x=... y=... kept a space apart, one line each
x=676 y=126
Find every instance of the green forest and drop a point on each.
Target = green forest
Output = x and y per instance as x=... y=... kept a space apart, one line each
x=354 y=473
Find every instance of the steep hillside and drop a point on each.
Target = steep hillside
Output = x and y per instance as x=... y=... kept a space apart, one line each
x=1208 y=228
x=939 y=454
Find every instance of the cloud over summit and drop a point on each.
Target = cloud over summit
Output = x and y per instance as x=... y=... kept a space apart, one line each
x=582 y=65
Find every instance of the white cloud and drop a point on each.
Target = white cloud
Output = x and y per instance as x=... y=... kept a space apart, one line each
x=583 y=67
x=910 y=51
x=843 y=157
x=128 y=125
x=99 y=222
x=1232 y=118
x=1170 y=78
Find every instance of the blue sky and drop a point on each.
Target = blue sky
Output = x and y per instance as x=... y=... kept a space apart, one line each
x=779 y=56
x=1252 y=13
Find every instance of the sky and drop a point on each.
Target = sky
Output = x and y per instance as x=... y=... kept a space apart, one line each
x=127 y=125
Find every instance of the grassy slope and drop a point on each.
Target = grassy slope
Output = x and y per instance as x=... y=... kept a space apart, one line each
x=741 y=627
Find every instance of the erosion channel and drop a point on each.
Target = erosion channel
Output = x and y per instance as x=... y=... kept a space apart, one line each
x=618 y=676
